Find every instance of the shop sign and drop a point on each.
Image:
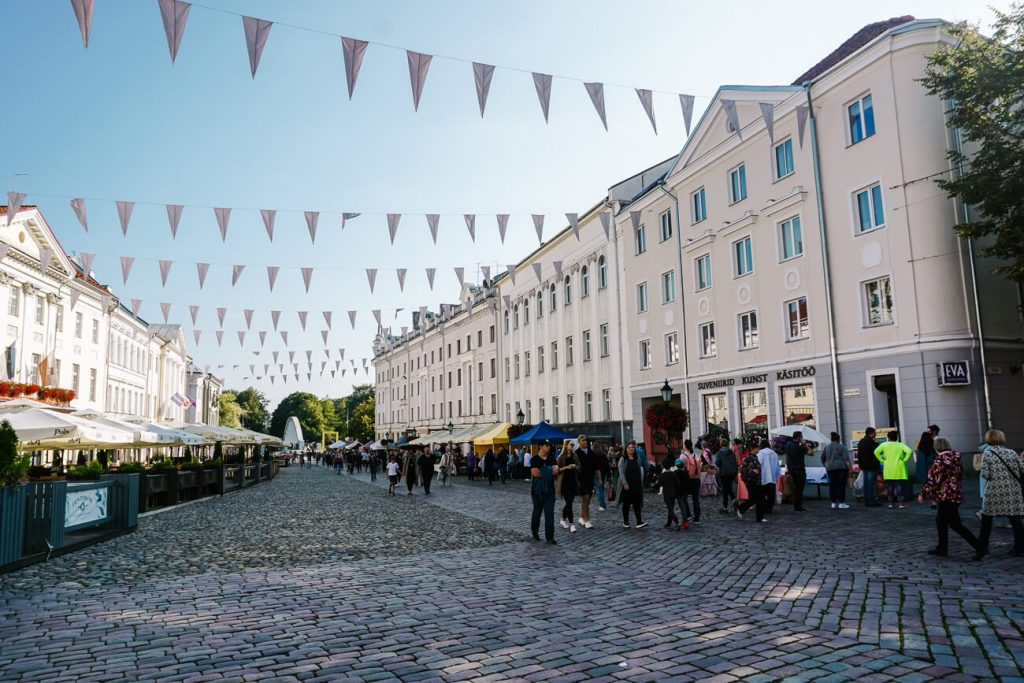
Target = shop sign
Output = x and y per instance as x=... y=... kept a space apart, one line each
x=85 y=506
x=755 y=379
x=715 y=384
x=954 y=373
x=795 y=373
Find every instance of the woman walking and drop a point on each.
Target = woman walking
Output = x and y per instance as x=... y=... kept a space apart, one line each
x=1003 y=472
x=631 y=480
x=944 y=486
x=837 y=464
x=409 y=471
x=447 y=468
x=708 y=471
x=750 y=473
x=568 y=483
x=692 y=464
x=925 y=455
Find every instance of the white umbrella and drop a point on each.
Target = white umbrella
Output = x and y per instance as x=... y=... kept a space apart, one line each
x=176 y=436
x=141 y=437
x=40 y=429
x=809 y=433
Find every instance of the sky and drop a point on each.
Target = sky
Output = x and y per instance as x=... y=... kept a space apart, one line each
x=120 y=122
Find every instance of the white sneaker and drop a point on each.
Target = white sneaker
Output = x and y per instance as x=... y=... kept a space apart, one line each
x=588 y=525
x=834 y=506
x=565 y=524
x=844 y=506
x=572 y=528
x=600 y=509
x=582 y=522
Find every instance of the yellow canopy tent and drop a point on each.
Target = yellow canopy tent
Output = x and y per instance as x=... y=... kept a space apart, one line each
x=495 y=437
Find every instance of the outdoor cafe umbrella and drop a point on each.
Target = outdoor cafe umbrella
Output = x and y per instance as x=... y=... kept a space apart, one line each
x=41 y=429
x=808 y=433
x=141 y=437
x=177 y=436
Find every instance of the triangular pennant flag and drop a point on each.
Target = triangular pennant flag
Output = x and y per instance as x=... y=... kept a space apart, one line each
x=78 y=206
x=194 y=312
x=606 y=223
x=165 y=270
x=312 y=218
x=87 y=260
x=418 y=65
x=482 y=74
x=400 y=272
x=432 y=221
x=307 y=277
x=486 y=271
x=327 y=318
x=223 y=216
x=512 y=273
x=272 y=353
x=352 y=319
x=275 y=316
x=302 y=319
x=166 y=309
x=174 y=217
x=686 y=104
x=324 y=333
x=345 y=217
x=507 y=300
x=801 y=122
x=542 y=82
x=574 y=223
x=236 y=273
x=309 y=356
x=634 y=219
x=197 y=334
x=502 y=225
x=14 y=202
x=353 y=51
x=174 y=14
x=124 y=214
x=647 y=101
x=269 y=216
x=371 y=277
x=263 y=338
x=536 y=271
x=768 y=114
x=376 y=316
x=729 y=107
x=538 y=225
x=460 y=273
x=558 y=268
x=220 y=337
x=241 y=337
x=126 y=267
x=471 y=225
x=596 y=92
x=221 y=312
x=83 y=14
x=393 y=219
x=201 y=270
x=342 y=352
x=45 y=256
x=256 y=33
x=272 y=276
x=248 y=318
x=136 y=307
x=74 y=294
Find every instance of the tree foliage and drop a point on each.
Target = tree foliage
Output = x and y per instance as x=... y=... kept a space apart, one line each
x=230 y=411
x=360 y=424
x=254 y=409
x=983 y=80
x=304 y=406
x=13 y=466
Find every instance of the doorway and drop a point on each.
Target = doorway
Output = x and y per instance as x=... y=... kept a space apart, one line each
x=885 y=400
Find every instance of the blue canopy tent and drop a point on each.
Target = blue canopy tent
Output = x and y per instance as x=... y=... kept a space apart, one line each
x=540 y=433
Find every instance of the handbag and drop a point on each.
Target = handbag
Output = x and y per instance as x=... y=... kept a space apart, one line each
x=611 y=495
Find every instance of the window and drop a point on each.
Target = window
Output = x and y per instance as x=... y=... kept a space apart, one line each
x=584 y=282
x=738 y=184
x=540 y=359
x=58 y=319
x=14 y=301
x=641 y=297
x=796 y=314
x=668 y=287
x=479 y=342
x=515 y=365
x=791 y=238
x=542 y=406
x=529 y=412
x=588 y=406
x=707 y=340
x=479 y=375
x=567 y=287
x=554 y=355
x=458 y=346
x=753 y=409
x=698 y=206
x=586 y=345
x=640 y=239
x=604 y=339
x=76 y=372
x=506 y=325
x=36 y=360
x=458 y=380
x=748 y=330
x=494 y=404
x=570 y=407
x=878 y=301
x=78 y=325
x=784 y=159
x=554 y=408
x=606 y=402
x=54 y=373
x=554 y=298
x=92 y=384
x=798 y=405
x=493 y=363
x=480 y=405
x=526 y=311
x=716 y=411
x=862 y=119
x=515 y=321
x=870 y=213
x=743 y=257
x=602 y=272
x=568 y=351
x=540 y=304
x=508 y=364
x=666 y=226
x=645 y=354
x=526 y=361
x=40 y=310
x=703 y=271
x=671 y=348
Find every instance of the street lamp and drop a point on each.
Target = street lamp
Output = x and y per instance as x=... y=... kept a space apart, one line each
x=520 y=418
x=451 y=428
x=666 y=392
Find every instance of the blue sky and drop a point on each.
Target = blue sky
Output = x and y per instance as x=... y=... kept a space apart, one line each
x=118 y=121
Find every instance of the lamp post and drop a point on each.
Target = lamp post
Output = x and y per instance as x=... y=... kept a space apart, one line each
x=666 y=392
x=662 y=438
x=520 y=417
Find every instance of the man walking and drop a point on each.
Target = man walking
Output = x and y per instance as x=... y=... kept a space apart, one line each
x=503 y=464
x=542 y=490
x=869 y=466
x=769 y=462
x=588 y=471
x=796 y=467
x=426 y=466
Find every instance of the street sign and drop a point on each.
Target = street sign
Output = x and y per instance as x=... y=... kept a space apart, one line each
x=954 y=373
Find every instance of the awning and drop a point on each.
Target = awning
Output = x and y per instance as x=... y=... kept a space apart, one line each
x=141 y=437
x=493 y=435
x=41 y=429
x=540 y=433
x=377 y=446
x=179 y=437
x=338 y=445
x=213 y=434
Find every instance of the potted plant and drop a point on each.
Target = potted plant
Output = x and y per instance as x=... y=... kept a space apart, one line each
x=13 y=470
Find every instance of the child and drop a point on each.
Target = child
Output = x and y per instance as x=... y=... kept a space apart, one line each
x=392 y=474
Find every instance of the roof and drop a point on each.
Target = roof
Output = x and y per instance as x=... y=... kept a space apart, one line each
x=540 y=433
x=852 y=44
x=168 y=332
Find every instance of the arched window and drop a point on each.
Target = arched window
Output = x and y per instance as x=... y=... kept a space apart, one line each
x=540 y=304
x=568 y=290
x=585 y=281
x=515 y=317
x=526 y=311
x=554 y=298
x=506 y=321
x=602 y=273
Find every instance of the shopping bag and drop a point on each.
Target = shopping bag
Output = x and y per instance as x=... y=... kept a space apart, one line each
x=858 y=483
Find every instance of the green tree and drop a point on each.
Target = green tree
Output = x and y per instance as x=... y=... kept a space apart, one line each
x=13 y=466
x=983 y=81
x=332 y=421
x=346 y=405
x=304 y=406
x=230 y=411
x=360 y=424
x=254 y=409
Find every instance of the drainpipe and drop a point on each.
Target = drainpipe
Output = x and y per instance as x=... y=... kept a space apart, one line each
x=682 y=305
x=826 y=267
x=618 y=314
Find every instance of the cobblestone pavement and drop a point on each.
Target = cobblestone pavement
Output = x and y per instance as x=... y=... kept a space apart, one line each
x=318 y=576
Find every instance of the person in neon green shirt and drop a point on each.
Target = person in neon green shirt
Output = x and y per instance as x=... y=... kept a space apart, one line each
x=894 y=457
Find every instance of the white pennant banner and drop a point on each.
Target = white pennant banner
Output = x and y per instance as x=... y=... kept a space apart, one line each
x=393 y=219
x=312 y=218
x=537 y=267
x=248 y=318
x=327 y=318
x=175 y=14
x=470 y=225
x=256 y=33
x=418 y=65
x=302 y=319
x=352 y=319
x=83 y=14
x=647 y=101
x=223 y=216
x=768 y=114
x=482 y=74
x=353 y=51
x=241 y=338
x=78 y=206
x=236 y=273
x=275 y=316
x=430 y=277
x=194 y=312
x=174 y=217
x=542 y=83
x=345 y=217
x=45 y=256
x=400 y=272
x=686 y=104
x=538 y=225
x=136 y=307
x=220 y=337
x=634 y=219
x=14 y=202
x=269 y=216
x=606 y=223
x=801 y=122
x=371 y=277
x=729 y=107
x=512 y=273
x=124 y=214
x=196 y=334
x=376 y=316
x=165 y=270
x=432 y=221
x=201 y=270
x=307 y=277
x=574 y=223
x=272 y=276
x=502 y=226
x=460 y=274
x=486 y=270
x=557 y=265
x=87 y=259
x=126 y=267
x=221 y=312
x=596 y=92
x=166 y=309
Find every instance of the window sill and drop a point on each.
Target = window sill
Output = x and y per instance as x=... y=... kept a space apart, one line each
x=748 y=348
x=791 y=258
x=781 y=178
x=859 y=233
x=666 y=303
x=871 y=326
x=857 y=142
x=740 y=277
x=798 y=339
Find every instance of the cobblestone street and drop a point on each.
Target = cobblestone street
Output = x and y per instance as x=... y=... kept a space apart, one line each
x=318 y=576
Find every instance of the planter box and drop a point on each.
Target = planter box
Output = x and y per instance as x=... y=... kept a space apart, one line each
x=12 y=523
